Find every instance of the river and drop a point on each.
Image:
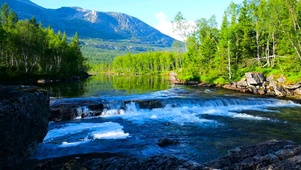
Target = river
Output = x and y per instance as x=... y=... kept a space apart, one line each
x=205 y=121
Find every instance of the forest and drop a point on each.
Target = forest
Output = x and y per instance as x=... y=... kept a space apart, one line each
x=28 y=50
x=256 y=35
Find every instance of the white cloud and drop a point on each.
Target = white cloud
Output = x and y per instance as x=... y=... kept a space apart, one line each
x=165 y=26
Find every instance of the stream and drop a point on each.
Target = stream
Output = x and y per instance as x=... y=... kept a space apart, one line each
x=205 y=121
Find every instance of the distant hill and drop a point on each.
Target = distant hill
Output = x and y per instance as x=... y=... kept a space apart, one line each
x=107 y=26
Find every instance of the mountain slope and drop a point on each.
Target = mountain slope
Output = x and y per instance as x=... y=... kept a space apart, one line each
x=91 y=24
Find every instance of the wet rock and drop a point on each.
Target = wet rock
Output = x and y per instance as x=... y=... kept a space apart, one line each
x=267 y=155
x=254 y=78
x=70 y=109
x=93 y=164
x=146 y=104
x=48 y=164
x=150 y=163
x=166 y=142
x=63 y=112
x=24 y=112
x=73 y=164
x=96 y=109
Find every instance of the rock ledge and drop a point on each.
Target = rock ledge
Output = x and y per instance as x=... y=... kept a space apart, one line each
x=24 y=112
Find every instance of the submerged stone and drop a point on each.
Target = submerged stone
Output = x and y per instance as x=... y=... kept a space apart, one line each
x=166 y=142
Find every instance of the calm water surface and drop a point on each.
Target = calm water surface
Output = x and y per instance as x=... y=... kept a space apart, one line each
x=206 y=121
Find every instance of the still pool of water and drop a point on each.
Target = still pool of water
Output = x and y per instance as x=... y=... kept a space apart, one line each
x=206 y=121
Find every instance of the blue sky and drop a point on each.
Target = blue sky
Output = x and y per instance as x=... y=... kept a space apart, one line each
x=156 y=13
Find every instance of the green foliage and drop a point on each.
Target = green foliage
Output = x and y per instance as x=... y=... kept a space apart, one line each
x=220 y=81
x=147 y=63
x=26 y=48
x=257 y=35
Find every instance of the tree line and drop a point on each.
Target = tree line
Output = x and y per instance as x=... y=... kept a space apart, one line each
x=256 y=35
x=147 y=62
x=28 y=49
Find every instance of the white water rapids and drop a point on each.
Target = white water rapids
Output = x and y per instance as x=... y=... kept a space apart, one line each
x=196 y=120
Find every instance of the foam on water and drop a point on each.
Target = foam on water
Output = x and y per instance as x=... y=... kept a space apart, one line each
x=181 y=116
x=92 y=131
x=191 y=111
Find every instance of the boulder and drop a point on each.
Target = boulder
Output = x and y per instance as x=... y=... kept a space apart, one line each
x=69 y=109
x=63 y=112
x=293 y=87
x=242 y=83
x=297 y=92
x=267 y=155
x=145 y=104
x=24 y=112
x=166 y=142
x=275 y=88
x=254 y=78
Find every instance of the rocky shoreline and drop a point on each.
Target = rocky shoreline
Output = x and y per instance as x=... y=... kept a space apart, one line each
x=255 y=83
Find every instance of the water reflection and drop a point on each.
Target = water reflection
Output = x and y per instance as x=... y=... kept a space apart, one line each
x=108 y=85
x=140 y=84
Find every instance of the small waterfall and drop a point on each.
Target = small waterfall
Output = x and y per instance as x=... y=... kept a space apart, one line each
x=221 y=102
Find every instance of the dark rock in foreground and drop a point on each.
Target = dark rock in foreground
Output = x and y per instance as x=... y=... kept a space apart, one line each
x=153 y=162
x=264 y=156
x=267 y=155
x=120 y=162
x=24 y=112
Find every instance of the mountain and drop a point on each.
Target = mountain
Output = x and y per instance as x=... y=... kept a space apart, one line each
x=91 y=24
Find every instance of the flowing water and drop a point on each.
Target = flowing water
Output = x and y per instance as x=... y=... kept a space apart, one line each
x=206 y=121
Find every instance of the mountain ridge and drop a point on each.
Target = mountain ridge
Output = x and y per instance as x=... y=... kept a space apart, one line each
x=92 y=24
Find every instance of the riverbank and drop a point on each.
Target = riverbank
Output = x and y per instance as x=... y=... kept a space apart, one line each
x=255 y=83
